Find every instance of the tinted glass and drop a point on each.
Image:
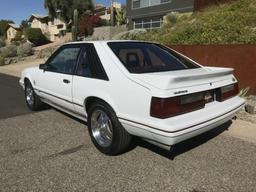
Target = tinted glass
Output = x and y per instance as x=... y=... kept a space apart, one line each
x=64 y=61
x=83 y=67
x=89 y=64
x=140 y=57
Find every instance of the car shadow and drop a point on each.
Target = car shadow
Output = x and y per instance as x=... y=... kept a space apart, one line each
x=184 y=146
x=177 y=149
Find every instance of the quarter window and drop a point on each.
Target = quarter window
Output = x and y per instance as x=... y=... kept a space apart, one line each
x=89 y=64
x=64 y=61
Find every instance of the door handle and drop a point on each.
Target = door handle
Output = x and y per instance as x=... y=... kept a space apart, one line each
x=66 y=81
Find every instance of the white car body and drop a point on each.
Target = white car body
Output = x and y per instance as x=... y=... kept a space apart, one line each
x=130 y=96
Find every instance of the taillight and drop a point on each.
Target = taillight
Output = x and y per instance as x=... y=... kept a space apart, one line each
x=228 y=92
x=168 y=107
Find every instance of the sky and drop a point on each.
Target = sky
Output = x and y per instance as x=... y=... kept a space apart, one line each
x=18 y=10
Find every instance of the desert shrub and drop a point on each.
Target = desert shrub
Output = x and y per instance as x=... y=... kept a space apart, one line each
x=25 y=50
x=104 y=22
x=2 y=42
x=171 y=18
x=46 y=53
x=1 y=60
x=35 y=36
x=8 y=51
x=129 y=35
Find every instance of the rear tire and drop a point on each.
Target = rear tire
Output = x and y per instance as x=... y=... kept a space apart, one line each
x=32 y=100
x=106 y=132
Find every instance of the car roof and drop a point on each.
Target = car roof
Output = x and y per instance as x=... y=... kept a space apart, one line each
x=105 y=41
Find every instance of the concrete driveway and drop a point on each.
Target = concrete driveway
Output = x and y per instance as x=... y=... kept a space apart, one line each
x=50 y=151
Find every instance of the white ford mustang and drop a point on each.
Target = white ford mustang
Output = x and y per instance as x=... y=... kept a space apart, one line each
x=125 y=88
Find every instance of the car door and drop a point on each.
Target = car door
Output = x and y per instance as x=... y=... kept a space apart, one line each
x=55 y=83
x=89 y=77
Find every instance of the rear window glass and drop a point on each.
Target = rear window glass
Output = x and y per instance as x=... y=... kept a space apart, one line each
x=141 y=57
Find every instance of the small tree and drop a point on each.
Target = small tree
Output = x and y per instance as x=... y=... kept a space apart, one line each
x=87 y=23
x=67 y=8
x=4 y=25
x=2 y=42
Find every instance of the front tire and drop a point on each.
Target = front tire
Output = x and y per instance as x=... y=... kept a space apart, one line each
x=32 y=100
x=106 y=132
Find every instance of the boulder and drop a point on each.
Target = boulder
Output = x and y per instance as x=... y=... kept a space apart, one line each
x=250 y=106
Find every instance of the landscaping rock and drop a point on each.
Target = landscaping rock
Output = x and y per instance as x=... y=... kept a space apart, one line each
x=253 y=97
x=243 y=115
x=10 y=60
x=250 y=107
x=248 y=113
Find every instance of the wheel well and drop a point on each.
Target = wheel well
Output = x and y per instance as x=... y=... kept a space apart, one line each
x=26 y=80
x=90 y=100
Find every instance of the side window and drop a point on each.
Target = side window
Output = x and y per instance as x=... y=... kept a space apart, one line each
x=83 y=67
x=89 y=64
x=64 y=61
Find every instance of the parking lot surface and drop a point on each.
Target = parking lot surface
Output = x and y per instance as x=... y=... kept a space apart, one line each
x=50 y=151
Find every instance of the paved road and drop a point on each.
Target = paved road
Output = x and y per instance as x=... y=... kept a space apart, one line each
x=11 y=97
x=50 y=151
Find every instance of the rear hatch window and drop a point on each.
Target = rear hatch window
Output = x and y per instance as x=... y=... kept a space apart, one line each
x=142 y=57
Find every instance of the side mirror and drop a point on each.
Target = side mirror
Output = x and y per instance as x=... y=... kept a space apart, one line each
x=43 y=66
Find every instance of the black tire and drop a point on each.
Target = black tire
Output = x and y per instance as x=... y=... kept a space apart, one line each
x=121 y=139
x=36 y=104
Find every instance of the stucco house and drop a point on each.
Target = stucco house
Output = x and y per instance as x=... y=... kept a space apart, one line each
x=104 y=12
x=50 y=28
x=149 y=14
x=12 y=31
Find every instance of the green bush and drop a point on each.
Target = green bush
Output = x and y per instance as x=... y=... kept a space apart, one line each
x=104 y=22
x=2 y=42
x=132 y=34
x=25 y=50
x=1 y=61
x=35 y=36
x=171 y=18
x=8 y=51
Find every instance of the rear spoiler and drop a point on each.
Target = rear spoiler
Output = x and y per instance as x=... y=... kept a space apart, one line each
x=212 y=72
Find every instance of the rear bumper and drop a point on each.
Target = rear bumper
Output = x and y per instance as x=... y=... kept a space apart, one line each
x=174 y=130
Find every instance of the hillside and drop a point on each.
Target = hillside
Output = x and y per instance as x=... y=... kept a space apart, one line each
x=224 y=24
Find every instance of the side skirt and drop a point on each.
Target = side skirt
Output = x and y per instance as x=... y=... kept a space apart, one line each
x=74 y=114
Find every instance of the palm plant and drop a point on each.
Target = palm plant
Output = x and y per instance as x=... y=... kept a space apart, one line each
x=120 y=17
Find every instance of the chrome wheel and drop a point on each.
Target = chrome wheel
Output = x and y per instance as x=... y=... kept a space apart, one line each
x=29 y=96
x=101 y=127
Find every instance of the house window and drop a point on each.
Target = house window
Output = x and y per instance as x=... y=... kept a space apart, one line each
x=147 y=3
x=148 y=23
